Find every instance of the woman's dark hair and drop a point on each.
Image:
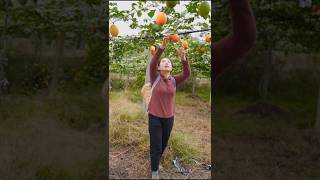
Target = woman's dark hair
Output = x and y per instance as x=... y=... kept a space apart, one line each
x=169 y=60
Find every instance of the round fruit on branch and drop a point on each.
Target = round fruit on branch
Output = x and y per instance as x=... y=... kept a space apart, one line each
x=114 y=30
x=161 y=19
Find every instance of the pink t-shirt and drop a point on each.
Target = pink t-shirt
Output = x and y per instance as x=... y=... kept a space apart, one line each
x=162 y=102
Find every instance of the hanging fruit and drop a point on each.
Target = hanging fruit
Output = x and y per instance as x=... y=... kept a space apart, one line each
x=175 y=38
x=208 y=38
x=204 y=9
x=152 y=49
x=161 y=19
x=184 y=44
x=114 y=30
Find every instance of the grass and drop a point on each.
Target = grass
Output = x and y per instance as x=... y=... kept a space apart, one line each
x=229 y=123
x=126 y=118
x=134 y=96
x=245 y=126
x=297 y=95
x=128 y=131
x=16 y=110
x=181 y=145
x=131 y=117
x=80 y=110
x=118 y=134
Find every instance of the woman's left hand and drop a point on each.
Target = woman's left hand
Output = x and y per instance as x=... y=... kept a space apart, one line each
x=181 y=53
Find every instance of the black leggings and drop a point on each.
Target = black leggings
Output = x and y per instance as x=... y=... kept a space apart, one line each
x=159 y=130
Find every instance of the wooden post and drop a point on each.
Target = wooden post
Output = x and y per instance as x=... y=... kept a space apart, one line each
x=57 y=63
x=317 y=124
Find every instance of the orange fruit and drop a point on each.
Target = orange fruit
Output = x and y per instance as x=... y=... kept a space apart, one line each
x=174 y=37
x=161 y=18
x=208 y=38
x=114 y=30
x=152 y=49
x=184 y=44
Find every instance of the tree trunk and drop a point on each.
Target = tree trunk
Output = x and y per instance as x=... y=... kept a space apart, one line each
x=79 y=41
x=56 y=64
x=317 y=124
x=264 y=91
x=4 y=33
x=127 y=82
x=3 y=53
x=105 y=89
x=194 y=82
x=109 y=81
x=37 y=46
x=210 y=99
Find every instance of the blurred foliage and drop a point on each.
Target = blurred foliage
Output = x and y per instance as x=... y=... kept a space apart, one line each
x=40 y=22
x=94 y=69
x=36 y=77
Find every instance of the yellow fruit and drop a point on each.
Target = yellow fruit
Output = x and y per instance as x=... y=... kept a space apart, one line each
x=208 y=38
x=152 y=49
x=174 y=37
x=161 y=18
x=184 y=44
x=114 y=30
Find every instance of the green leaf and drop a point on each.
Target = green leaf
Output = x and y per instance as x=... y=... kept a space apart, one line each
x=134 y=20
x=139 y=13
x=192 y=7
x=151 y=13
x=133 y=6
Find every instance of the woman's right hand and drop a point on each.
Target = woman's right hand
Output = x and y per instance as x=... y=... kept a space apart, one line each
x=181 y=53
x=165 y=41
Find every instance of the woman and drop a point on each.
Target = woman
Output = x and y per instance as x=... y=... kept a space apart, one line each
x=162 y=102
x=239 y=42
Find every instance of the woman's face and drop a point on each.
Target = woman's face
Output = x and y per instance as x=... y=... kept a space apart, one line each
x=165 y=65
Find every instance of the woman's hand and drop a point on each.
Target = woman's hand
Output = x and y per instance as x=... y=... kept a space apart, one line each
x=165 y=41
x=181 y=53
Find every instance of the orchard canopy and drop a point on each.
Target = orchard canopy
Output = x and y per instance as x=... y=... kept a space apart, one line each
x=129 y=52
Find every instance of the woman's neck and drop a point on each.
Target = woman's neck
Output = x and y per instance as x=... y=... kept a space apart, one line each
x=165 y=74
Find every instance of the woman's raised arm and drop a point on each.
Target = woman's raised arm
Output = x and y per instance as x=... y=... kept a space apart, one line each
x=239 y=41
x=155 y=59
x=186 y=71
